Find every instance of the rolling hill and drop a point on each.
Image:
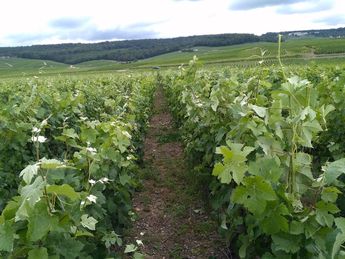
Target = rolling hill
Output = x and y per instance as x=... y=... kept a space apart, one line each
x=134 y=50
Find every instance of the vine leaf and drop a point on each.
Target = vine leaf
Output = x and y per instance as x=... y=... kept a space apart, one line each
x=88 y=222
x=286 y=243
x=324 y=213
x=340 y=238
x=64 y=190
x=234 y=163
x=254 y=194
x=40 y=222
x=40 y=253
x=334 y=170
x=29 y=172
x=30 y=195
x=6 y=237
x=130 y=248
x=274 y=221
x=267 y=168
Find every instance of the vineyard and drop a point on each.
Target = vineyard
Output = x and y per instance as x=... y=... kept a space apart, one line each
x=268 y=142
x=68 y=162
x=272 y=141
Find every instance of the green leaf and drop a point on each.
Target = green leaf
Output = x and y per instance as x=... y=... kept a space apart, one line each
x=38 y=227
x=225 y=151
x=267 y=168
x=330 y=194
x=244 y=241
x=287 y=243
x=30 y=195
x=234 y=166
x=70 y=133
x=38 y=253
x=296 y=227
x=311 y=226
x=303 y=164
x=130 y=248
x=50 y=163
x=214 y=103
x=254 y=194
x=138 y=256
x=325 y=111
x=239 y=195
x=340 y=223
x=124 y=178
x=88 y=222
x=334 y=170
x=238 y=171
x=66 y=246
x=270 y=145
x=83 y=234
x=11 y=208
x=6 y=237
x=111 y=239
x=223 y=173
x=260 y=111
x=29 y=172
x=274 y=221
x=223 y=224
x=64 y=190
x=274 y=224
x=40 y=222
x=308 y=111
x=324 y=213
x=88 y=135
x=217 y=169
x=309 y=128
x=339 y=241
x=268 y=255
x=340 y=238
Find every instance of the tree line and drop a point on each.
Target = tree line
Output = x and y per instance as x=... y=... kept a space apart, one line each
x=126 y=50
x=132 y=50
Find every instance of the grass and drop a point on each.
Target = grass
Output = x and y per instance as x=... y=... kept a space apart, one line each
x=298 y=51
x=175 y=253
x=147 y=173
x=27 y=67
x=169 y=137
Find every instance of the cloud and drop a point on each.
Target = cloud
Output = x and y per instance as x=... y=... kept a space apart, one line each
x=87 y=33
x=253 y=4
x=334 y=20
x=69 y=22
x=27 y=38
x=136 y=31
x=306 y=7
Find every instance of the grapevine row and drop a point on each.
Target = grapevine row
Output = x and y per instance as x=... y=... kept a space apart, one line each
x=271 y=151
x=68 y=162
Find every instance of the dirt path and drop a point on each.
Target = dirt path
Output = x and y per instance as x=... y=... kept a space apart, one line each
x=172 y=222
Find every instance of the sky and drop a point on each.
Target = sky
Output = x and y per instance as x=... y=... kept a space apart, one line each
x=28 y=22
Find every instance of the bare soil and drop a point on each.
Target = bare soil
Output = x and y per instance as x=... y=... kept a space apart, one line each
x=172 y=221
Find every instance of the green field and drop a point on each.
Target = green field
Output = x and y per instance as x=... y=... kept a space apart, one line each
x=263 y=147
x=323 y=50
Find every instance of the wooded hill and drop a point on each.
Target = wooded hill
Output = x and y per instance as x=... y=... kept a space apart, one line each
x=132 y=50
x=127 y=50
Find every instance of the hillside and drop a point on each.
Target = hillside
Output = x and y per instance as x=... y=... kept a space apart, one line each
x=296 y=51
x=133 y=50
x=128 y=50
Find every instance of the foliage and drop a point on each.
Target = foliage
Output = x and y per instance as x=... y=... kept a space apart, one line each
x=77 y=140
x=254 y=131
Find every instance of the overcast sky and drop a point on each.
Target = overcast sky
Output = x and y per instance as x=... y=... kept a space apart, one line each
x=27 y=22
